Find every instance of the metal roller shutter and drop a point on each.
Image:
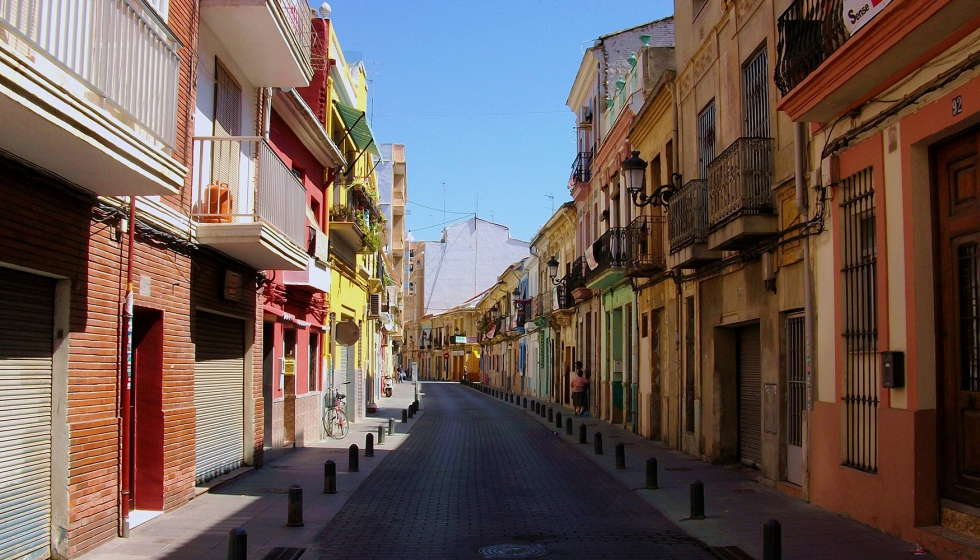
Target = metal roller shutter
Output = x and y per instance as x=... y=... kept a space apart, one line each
x=219 y=394
x=26 y=345
x=749 y=396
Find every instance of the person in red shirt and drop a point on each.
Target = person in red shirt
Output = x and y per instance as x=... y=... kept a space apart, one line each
x=579 y=383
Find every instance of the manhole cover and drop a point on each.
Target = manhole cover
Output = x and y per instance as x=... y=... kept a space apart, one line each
x=514 y=551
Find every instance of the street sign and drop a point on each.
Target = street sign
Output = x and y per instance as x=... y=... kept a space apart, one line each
x=445 y=354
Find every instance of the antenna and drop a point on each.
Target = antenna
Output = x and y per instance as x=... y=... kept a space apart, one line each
x=444 y=201
x=552 y=202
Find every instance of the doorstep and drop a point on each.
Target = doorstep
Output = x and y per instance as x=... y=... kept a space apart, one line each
x=220 y=481
x=946 y=543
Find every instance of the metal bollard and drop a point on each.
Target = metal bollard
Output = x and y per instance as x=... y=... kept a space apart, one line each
x=369 y=445
x=597 y=440
x=352 y=458
x=525 y=403
x=772 y=540
x=411 y=411
x=652 y=473
x=620 y=455
x=330 y=477
x=536 y=408
x=558 y=419
x=294 y=517
x=533 y=404
x=697 y=499
x=237 y=544
x=581 y=434
x=404 y=416
x=417 y=404
x=391 y=426
x=381 y=435
x=551 y=416
x=568 y=426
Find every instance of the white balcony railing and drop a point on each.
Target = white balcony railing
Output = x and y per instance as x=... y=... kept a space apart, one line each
x=298 y=15
x=240 y=179
x=116 y=48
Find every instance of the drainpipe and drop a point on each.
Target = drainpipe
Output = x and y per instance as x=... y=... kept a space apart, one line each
x=677 y=282
x=125 y=379
x=799 y=137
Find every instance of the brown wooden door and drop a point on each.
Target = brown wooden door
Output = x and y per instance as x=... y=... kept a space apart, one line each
x=957 y=179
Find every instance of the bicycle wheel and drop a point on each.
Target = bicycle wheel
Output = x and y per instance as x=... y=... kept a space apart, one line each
x=328 y=422
x=340 y=425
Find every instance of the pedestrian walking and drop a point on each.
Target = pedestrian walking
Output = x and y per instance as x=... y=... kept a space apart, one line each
x=579 y=384
x=401 y=374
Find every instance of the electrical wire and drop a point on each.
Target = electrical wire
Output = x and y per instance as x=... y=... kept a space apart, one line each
x=440 y=209
x=443 y=223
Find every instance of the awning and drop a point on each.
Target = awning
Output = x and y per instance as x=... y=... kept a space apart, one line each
x=356 y=123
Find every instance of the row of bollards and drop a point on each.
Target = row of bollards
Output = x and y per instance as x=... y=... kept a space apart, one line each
x=772 y=530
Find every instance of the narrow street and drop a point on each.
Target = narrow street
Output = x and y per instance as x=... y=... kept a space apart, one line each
x=476 y=473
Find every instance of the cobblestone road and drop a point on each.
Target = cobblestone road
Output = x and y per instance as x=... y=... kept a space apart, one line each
x=477 y=472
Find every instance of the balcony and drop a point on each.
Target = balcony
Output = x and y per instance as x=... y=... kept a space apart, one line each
x=316 y=277
x=687 y=220
x=741 y=208
x=90 y=94
x=606 y=259
x=843 y=63
x=269 y=39
x=645 y=247
x=346 y=227
x=249 y=205
x=581 y=169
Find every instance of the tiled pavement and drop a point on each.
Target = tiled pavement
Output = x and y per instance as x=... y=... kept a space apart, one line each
x=256 y=502
x=473 y=471
x=736 y=507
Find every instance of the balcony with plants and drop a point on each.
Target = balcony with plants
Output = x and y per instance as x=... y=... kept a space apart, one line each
x=741 y=205
x=830 y=58
x=91 y=94
x=687 y=224
x=248 y=204
x=269 y=40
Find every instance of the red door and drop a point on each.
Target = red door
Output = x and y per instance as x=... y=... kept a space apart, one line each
x=147 y=412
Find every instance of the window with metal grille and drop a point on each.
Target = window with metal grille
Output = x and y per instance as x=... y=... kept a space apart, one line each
x=755 y=96
x=968 y=265
x=706 y=138
x=689 y=373
x=860 y=334
x=795 y=379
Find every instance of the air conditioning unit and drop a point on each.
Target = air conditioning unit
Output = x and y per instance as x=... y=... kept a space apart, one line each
x=374 y=306
x=585 y=115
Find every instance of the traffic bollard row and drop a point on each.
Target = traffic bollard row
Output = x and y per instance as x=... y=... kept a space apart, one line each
x=352 y=458
x=620 y=455
x=581 y=434
x=525 y=403
x=330 y=477
x=369 y=445
x=568 y=426
x=597 y=441
x=404 y=416
x=652 y=473
x=697 y=499
x=772 y=540
x=237 y=544
x=391 y=426
x=294 y=512
x=558 y=419
x=551 y=417
x=381 y=435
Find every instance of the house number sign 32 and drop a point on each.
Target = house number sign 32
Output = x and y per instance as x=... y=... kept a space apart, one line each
x=957 y=105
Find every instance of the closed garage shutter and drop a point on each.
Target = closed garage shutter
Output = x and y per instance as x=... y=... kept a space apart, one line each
x=219 y=394
x=749 y=397
x=26 y=343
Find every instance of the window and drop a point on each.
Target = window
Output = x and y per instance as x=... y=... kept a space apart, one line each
x=706 y=139
x=860 y=328
x=755 y=96
x=656 y=179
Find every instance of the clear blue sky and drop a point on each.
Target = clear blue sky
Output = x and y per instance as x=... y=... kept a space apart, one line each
x=476 y=91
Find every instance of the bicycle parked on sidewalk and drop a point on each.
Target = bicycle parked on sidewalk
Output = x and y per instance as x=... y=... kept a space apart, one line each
x=335 y=423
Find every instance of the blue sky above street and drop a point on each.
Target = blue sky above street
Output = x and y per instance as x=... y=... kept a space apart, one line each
x=476 y=91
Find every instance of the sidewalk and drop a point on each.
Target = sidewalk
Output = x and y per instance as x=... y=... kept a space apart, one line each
x=736 y=507
x=257 y=500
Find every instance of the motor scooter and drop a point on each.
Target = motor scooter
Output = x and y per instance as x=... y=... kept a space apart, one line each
x=386 y=382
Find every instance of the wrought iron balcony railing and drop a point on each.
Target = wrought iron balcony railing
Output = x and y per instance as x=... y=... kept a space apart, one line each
x=809 y=32
x=574 y=279
x=119 y=50
x=645 y=246
x=582 y=168
x=609 y=251
x=687 y=215
x=740 y=181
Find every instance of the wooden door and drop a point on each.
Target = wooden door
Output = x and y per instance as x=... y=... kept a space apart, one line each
x=957 y=180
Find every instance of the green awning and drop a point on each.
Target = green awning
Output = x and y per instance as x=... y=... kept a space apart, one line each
x=358 y=128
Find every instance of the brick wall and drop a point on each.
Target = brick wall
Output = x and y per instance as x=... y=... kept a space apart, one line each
x=48 y=229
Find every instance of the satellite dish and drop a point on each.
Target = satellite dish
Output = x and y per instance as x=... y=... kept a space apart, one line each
x=324 y=10
x=346 y=333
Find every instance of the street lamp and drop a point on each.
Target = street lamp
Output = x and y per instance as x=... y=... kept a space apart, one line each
x=553 y=271
x=634 y=170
